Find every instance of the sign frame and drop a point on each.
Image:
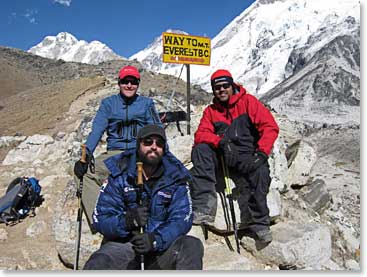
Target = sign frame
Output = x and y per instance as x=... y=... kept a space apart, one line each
x=186 y=49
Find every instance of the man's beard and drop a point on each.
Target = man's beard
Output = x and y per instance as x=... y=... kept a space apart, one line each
x=150 y=160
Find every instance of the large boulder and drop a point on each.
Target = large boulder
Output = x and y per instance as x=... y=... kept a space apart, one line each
x=294 y=245
x=33 y=148
x=299 y=169
x=65 y=229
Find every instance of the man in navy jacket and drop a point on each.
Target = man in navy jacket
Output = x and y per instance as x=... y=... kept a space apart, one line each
x=166 y=212
x=121 y=116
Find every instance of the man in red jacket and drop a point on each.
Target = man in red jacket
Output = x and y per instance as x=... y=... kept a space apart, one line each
x=241 y=129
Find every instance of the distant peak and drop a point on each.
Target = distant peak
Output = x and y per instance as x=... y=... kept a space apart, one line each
x=65 y=36
x=176 y=32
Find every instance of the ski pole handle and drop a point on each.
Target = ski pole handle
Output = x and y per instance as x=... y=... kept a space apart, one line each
x=83 y=159
x=140 y=182
x=140 y=173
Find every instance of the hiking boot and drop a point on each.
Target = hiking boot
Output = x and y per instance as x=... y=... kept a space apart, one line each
x=200 y=218
x=264 y=235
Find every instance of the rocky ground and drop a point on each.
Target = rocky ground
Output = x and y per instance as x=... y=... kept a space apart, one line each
x=314 y=198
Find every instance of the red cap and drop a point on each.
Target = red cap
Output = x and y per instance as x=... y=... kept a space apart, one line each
x=129 y=71
x=221 y=75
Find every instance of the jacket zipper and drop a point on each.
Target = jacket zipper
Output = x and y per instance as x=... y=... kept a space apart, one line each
x=127 y=122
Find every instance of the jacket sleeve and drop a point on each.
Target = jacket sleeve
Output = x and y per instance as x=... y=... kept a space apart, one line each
x=100 y=124
x=264 y=122
x=152 y=115
x=205 y=132
x=179 y=220
x=109 y=213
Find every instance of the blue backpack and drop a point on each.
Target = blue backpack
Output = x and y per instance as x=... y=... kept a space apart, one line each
x=22 y=196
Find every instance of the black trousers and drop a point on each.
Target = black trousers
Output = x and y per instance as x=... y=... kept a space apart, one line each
x=185 y=253
x=208 y=179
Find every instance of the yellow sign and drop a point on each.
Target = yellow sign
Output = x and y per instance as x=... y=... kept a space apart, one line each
x=186 y=49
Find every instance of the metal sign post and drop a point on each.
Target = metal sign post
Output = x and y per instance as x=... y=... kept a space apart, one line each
x=188 y=98
x=186 y=49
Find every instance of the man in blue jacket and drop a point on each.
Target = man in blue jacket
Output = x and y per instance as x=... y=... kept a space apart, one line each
x=121 y=115
x=165 y=215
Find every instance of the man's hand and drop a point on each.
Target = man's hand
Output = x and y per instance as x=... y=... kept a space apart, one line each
x=220 y=127
x=253 y=163
x=136 y=218
x=230 y=152
x=80 y=168
x=143 y=243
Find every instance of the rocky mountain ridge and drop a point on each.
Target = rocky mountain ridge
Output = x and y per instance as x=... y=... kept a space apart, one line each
x=322 y=88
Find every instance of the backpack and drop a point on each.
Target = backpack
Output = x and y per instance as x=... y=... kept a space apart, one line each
x=22 y=197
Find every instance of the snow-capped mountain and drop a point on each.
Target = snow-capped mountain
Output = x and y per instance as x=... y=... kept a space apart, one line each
x=302 y=57
x=256 y=46
x=66 y=47
x=325 y=87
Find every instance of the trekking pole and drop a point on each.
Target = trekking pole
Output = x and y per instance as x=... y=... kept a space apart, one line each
x=228 y=192
x=140 y=183
x=80 y=210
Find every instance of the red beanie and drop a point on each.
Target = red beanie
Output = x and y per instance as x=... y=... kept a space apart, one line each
x=220 y=76
x=129 y=71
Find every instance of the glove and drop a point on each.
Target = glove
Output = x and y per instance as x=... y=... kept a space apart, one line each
x=230 y=152
x=143 y=243
x=136 y=218
x=220 y=127
x=253 y=163
x=80 y=168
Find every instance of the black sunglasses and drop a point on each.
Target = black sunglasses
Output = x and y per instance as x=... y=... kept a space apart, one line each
x=134 y=81
x=225 y=86
x=149 y=141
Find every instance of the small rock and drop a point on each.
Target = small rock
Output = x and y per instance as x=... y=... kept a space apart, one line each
x=48 y=181
x=36 y=228
x=317 y=195
x=39 y=140
x=60 y=135
x=352 y=265
x=3 y=234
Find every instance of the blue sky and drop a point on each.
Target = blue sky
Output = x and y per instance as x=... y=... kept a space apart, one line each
x=125 y=26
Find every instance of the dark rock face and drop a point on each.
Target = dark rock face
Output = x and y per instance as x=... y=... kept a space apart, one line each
x=328 y=83
x=316 y=195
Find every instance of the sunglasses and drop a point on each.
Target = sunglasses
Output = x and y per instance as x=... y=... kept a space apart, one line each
x=134 y=82
x=149 y=141
x=225 y=86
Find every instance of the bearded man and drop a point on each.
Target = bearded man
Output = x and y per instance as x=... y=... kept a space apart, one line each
x=165 y=214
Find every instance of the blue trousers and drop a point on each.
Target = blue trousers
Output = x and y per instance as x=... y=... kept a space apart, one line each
x=185 y=253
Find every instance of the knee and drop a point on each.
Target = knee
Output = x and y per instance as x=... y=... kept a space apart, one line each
x=261 y=174
x=98 y=261
x=201 y=150
x=194 y=246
